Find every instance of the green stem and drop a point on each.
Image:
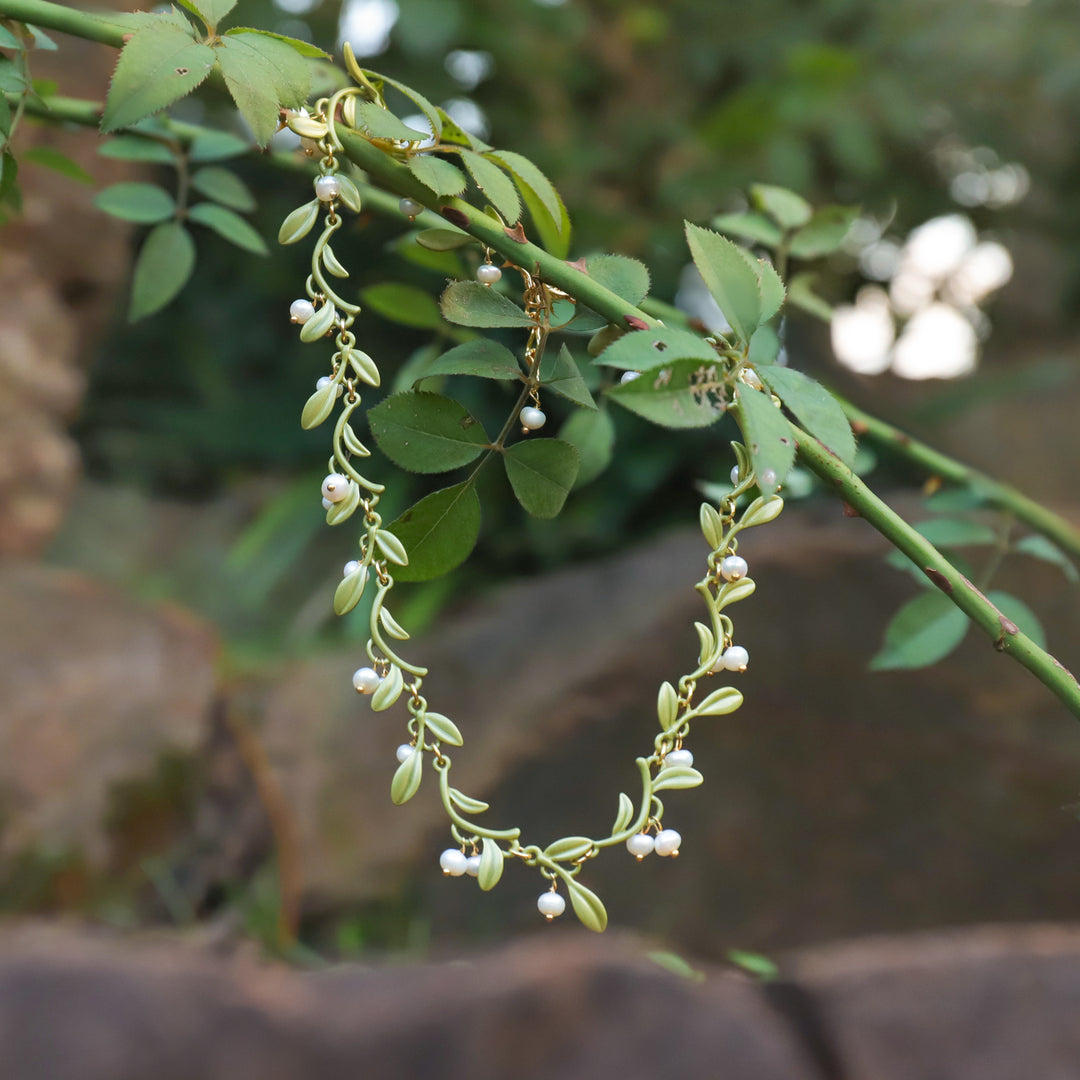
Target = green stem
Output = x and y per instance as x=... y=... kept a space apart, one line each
x=993 y=491
x=68 y=20
x=1001 y=631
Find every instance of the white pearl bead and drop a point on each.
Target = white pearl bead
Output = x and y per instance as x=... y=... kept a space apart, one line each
x=733 y=568
x=301 y=310
x=735 y=476
x=629 y=376
x=532 y=418
x=366 y=680
x=681 y=758
x=335 y=487
x=735 y=658
x=667 y=842
x=639 y=845
x=551 y=904
x=410 y=207
x=768 y=479
x=453 y=862
x=488 y=274
x=350 y=568
x=472 y=865
x=403 y=751
x=327 y=188
x=326 y=504
x=325 y=381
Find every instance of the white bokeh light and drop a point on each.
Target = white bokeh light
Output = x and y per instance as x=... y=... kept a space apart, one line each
x=366 y=25
x=987 y=267
x=469 y=67
x=863 y=332
x=937 y=343
x=468 y=116
x=938 y=247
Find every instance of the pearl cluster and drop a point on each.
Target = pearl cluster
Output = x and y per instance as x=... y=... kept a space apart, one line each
x=666 y=843
x=335 y=488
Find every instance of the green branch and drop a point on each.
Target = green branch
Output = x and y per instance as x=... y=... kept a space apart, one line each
x=107 y=29
x=938 y=464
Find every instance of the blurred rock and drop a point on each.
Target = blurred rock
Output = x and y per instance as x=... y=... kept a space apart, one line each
x=97 y=688
x=992 y=1004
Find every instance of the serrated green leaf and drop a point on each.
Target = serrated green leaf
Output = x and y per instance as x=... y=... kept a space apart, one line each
x=381 y=123
x=824 y=232
x=624 y=815
x=466 y=804
x=770 y=287
x=163 y=266
x=491 y=865
x=298 y=224
x=458 y=136
x=495 y=184
x=955 y=532
x=320 y=324
x=210 y=11
x=922 y=632
x=720 y=702
x=729 y=278
x=263 y=76
x=439 y=531
x=51 y=158
x=768 y=435
x=787 y=208
x=750 y=226
x=482 y=357
x=136 y=148
x=559 y=372
x=304 y=48
x=667 y=705
x=349 y=591
x=542 y=474
x=392 y=548
x=319 y=406
x=762 y=510
x=587 y=906
x=443 y=239
x=443 y=728
x=406 y=782
x=677 y=777
x=425 y=432
x=554 y=233
x=223 y=186
x=160 y=63
x=568 y=848
x=528 y=175
x=1014 y=609
x=814 y=407
x=624 y=276
x=404 y=304
x=145 y=204
x=229 y=226
x=431 y=113
x=389 y=691
x=468 y=303
x=593 y=433
x=217 y=146
x=1039 y=547
x=764 y=346
x=683 y=394
x=437 y=174
x=643 y=350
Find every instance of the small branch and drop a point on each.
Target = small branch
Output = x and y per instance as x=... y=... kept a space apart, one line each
x=938 y=464
x=1004 y=634
x=68 y=20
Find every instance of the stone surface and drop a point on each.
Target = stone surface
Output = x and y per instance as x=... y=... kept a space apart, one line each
x=97 y=688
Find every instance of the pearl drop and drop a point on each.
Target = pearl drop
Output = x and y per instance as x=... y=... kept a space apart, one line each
x=453 y=862
x=326 y=504
x=350 y=568
x=301 y=310
x=735 y=476
x=327 y=188
x=550 y=905
x=472 y=865
x=402 y=752
x=325 y=381
x=639 y=845
x=532 y=418
x=410 y=207
x=629 y=376
x=768 y=479
x=366 y=680
x=733 y=568
x=735 y=658
x=488 y=274
x=667 y=843
x=335 y=487
x=678 y=757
